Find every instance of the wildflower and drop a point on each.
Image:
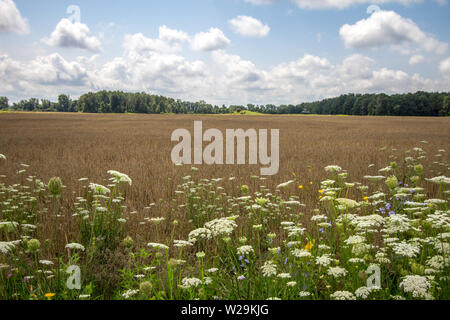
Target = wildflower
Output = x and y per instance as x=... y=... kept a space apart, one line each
x=221 y=227
x=212 y=270
x=439 y=180
x=309 y=245
x=46 y=262
x=284 y=276
x=391 y=182
x=300 y=187
x=269 y=269
x=34 y=245
x=299 y=253
x=75 y=246
x=240 y=278
x=120 y=177
x=146 y=288
x=99 y=189
x=130 y=293
x=157 y=220
x=2 y=156
x=244 y=189
x=200 y=233
x=55 y=186
x=157 y=245
x=347 y=203
x=291 y=284
x=187 y=283
x=337 y=272
x=285 y=184
x=128 y=242
x=405 y=249
x=200 y=254
x=333 y=168
x=181 y=243
x=324 y=260
x=342 y=295
x=245 y=250
x=304 y=294
x=416 y=285
x=364 y=292
x=49 y=296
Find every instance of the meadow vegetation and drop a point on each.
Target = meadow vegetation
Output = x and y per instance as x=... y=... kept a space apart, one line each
x=99 y=192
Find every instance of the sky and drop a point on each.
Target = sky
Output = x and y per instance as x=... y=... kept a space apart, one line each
x=224 y=51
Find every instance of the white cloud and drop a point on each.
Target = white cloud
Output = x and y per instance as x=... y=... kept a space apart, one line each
x=249 y=26
x=10 y=18
x=212 y=40
x=388 y=28
x=172 y=35
x=444 y=67
x=73 y=35
x=416 y=59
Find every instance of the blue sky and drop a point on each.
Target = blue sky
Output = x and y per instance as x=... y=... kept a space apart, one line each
x=224 y=51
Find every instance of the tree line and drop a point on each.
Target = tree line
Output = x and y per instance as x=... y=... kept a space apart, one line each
x=410 y=104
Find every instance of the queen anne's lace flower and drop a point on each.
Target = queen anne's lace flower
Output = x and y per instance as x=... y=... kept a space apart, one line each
x=343 y=295
x=418 y=286
x=269 y=269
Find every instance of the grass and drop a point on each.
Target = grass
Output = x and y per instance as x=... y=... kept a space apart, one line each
x=167 y=232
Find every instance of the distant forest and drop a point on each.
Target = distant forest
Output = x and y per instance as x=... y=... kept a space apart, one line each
x=411 y=104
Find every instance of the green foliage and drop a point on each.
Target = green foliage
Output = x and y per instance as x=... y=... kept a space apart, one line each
x=411 y=104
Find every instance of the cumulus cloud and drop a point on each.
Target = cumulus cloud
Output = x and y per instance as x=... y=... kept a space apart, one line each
x=389 y=28
x=44 y=76
x=172 y=35
x=444 y=67
x=211 y=40
x=10 y=18
x=73 y=35
x=416 y=59
x=249 y=26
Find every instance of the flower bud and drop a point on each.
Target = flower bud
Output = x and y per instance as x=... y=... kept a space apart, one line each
x=55 y=186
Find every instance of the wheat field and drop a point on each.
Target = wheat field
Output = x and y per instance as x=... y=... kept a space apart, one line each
x=77 y=146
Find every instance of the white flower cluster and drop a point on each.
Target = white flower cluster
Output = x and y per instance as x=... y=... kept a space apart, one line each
x=221 y=227
x=120 y=177
x=333 y=168
x=157 y=245
x=269 y=269
x=244 y=250
x=342 y=295
x=75 y=246
x=6 y=246
x=99 y=189
x=418 y=286
x=301 y=253
x=187 y=283
x=324 y=260
x=364 y=292
x=199 y=234
x=406 y=249
x=337 y=272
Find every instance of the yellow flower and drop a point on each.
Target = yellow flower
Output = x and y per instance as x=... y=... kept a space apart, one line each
x=320 y=191
x=310 y=182
x=300 y=187
x=49 y=296
x=366 y=199
x=309 y=246
x=320 y=197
